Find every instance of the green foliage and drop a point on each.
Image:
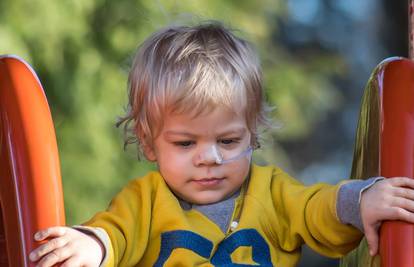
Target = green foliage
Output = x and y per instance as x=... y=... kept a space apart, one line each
x=81 y=50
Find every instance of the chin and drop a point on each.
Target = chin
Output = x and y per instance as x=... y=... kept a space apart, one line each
x=208 y=199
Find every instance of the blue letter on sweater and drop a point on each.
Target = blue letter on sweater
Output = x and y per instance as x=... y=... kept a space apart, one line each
x=244 y=237
x=222 y=257
x=182 y=239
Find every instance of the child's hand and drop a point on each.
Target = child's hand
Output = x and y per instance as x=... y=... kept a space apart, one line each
x=67 y=246
x=388 y=199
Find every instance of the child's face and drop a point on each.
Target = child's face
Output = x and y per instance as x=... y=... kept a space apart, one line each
x=183 y=151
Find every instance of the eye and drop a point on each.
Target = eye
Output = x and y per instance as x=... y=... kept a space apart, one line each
x=229 y=141
x=184 y=144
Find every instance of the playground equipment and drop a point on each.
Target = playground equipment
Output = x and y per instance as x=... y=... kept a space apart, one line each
x=30 y=185
x=385 y=147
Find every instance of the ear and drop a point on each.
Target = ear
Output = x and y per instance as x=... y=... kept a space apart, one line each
x=146 y=145
x=149 y=152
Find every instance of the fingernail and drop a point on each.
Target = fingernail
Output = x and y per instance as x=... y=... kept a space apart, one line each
x=32 y=256
x=37 y=236
x=62 y=231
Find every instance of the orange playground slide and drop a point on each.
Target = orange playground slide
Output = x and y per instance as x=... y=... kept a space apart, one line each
x=31 y=195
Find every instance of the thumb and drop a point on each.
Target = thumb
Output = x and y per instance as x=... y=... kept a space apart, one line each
x=371 y=234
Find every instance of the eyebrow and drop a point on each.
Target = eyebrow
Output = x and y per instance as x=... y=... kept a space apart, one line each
x=237 y=131
x=181 y=133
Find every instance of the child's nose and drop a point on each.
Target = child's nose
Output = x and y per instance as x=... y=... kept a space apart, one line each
x=209 y=155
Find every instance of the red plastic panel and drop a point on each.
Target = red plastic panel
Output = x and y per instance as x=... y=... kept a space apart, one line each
x=397 y=153
x=31 y=195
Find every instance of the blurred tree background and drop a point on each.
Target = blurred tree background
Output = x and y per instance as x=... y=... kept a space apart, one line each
x=316 y=55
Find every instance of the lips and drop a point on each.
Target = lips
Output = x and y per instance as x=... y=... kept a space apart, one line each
x=208 y=181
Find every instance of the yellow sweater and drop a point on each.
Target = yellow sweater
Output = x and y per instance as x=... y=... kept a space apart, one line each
x=147 y=226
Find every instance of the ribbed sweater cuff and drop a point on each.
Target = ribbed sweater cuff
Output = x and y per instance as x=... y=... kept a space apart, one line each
x=349 y=199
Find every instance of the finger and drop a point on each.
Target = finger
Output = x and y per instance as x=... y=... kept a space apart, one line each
x=48 y=247
x=404 y=192
x=403 y=203
x=398 y=213
x=55 y=256
x=402 y=182
x=50 y=232
x=371 y=235
x=72 y=261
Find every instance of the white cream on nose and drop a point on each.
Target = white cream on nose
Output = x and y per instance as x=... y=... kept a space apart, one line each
x=217 y=155
x=214 y=154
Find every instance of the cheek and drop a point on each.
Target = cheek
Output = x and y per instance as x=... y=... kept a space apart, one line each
x=171 y=164
x=238 y=170
x=244 y=168
x=174 y=164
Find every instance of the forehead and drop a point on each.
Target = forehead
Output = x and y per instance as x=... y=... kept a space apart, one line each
x=217 y=121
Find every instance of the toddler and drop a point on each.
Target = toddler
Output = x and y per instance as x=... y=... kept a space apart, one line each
x=196 y=107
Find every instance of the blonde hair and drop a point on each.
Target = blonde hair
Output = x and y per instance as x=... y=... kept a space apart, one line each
x=192 y=69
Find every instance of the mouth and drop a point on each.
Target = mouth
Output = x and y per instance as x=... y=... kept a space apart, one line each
x=208 y=181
